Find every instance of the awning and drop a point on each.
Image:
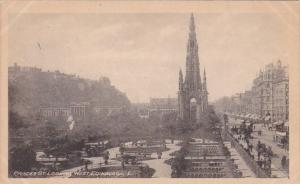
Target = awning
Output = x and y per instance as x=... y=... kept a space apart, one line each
x=255 y=116
x=278 y=123
x=40 y=154
x=267 y=118
x=236 y=122
x=281 y=133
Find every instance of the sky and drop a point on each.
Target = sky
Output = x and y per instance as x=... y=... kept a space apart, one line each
x=142 y=53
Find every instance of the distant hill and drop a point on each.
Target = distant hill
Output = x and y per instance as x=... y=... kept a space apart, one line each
x=30 y=88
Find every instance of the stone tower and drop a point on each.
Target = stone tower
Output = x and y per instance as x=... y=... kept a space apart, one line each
x=192 y=94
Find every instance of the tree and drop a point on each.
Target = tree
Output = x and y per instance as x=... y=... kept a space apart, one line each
x=179 y=163
x=22 y=159
x=225 y=118
x=15 y=120
x=105 y=81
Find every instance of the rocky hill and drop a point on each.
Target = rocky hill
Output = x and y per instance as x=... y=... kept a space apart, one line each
x=30 y=88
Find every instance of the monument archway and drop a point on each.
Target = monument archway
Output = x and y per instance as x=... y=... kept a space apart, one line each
x=193 y=109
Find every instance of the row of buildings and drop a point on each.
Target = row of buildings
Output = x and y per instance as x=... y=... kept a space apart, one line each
x=157 y=107
x=79 y=111
x=268 y=98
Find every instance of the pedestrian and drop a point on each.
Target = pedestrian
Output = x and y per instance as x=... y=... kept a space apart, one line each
x=269 y=162
x=86 y=165
x=159 y=153
x=106 y=157
x=283 y=161
x=267 y=166
x=250 y=147
x=270 y=152
x=265 y=163
x=258 y=146
x=259 y=163
x=123 y=163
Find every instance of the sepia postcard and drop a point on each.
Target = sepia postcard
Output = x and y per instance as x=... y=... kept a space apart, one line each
x=149 y=91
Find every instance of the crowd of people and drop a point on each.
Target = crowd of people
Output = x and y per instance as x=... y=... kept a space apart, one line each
x=264 y=156
x=243 y=135
x=242 y=131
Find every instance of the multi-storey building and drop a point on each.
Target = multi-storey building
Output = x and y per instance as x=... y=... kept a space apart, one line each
x=281 y=95
x=161 y=106
x=256 y=98
x=78 y=110
x=272 y=85
x=55 y=112
x=157 y=107
x=246 y=102
x=269 y=95
x=236 y=103
x=108 y=110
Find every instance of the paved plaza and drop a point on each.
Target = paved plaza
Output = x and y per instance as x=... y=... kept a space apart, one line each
x=162 y=170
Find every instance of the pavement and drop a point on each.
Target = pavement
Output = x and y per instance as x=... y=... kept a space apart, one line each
x=242 y=166
x=96 y=163
x=162 y=170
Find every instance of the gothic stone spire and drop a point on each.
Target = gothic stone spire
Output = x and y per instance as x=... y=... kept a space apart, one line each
x=180 y=80
x=204 y=81
x=192 y=78
x=192 y=85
